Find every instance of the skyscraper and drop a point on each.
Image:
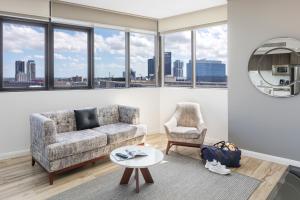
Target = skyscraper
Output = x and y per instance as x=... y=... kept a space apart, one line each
x=31 y=74
x=178 y=69
x=207 y=71
x=168 y=62
x=151 y=68
x=19 y=69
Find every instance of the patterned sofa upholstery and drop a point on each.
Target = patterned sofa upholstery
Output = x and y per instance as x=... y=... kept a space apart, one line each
x=57 y=145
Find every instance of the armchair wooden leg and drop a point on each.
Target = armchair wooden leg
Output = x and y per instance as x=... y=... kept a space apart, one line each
x=51 y=177
x=32 y=161
x=168 y=147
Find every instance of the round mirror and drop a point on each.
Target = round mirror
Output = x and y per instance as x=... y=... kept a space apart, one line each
x=274 y=67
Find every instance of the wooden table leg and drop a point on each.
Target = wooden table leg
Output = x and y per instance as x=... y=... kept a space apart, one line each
x=147 y=176
x=126 y=176
x=137 y=183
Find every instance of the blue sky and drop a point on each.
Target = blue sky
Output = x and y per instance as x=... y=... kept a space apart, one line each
x=27 y=42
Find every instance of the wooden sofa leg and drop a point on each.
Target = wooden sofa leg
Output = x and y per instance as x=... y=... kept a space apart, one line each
x=168 y=147
x=32 y=161
x=51 y=176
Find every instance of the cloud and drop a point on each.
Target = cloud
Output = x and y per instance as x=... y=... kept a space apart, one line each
x=67 y=41
x=19 y=38
x=113 y=44
x=39 y=56
x=212 y=43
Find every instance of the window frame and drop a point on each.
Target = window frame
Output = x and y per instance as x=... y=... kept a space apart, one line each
x=155 y=55
x=212 y=86
x=90 y=55
x=125 y=56
x=28 y=22
x=162 y=57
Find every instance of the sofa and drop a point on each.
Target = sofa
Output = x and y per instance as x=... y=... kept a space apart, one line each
x=58 y=146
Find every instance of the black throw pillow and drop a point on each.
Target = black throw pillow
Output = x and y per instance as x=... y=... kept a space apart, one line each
x=86 y=118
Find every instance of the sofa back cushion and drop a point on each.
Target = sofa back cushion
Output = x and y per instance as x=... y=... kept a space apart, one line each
x=64 y=120
x=109 y=115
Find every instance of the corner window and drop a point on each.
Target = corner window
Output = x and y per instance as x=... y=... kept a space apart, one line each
x=211 y=56
x=142 y=60
x=70 y=64
x=177 y=59
x=24 y=55
x=109 y=58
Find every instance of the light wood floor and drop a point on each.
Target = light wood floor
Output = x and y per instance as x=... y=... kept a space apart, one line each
x=18 y=180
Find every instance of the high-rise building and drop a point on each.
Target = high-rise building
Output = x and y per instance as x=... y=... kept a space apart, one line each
x=151 y=68
x=30 y=70
x=19 y=68
x=178 y=69
x=207 y=71
x=168 y=63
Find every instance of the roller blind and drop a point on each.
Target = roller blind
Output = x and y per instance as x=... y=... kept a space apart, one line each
x=98 y=16
x=34 y=8
x=202 y=17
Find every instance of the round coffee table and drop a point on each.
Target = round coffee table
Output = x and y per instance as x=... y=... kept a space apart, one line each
x=154 y=156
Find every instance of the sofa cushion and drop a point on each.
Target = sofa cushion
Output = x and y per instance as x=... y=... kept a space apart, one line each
x=108 y=115
x=185 y=132
x=118 y=132
x=64 y=120
x=86 y=118
x=75 y=142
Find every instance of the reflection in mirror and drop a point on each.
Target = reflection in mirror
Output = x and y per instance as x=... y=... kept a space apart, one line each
x=274 y=67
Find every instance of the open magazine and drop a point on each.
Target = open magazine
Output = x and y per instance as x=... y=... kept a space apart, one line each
x=128 y=154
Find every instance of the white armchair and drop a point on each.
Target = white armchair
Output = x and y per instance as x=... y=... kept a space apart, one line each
x=186 y=126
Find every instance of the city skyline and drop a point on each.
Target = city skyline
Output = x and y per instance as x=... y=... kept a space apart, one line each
x=23 y=42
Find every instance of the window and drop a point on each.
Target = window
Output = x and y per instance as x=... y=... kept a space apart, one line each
x=24 y=55
x=211 y=56
x=71 y=66
x=142 y=60
x=109 y=58
x=177 y=56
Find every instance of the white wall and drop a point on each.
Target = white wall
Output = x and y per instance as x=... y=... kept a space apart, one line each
x=258 y=122
x=156 y=105
x=213 y=103
x=16 y=107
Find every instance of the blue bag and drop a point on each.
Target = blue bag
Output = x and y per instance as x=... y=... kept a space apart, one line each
x=221 y=153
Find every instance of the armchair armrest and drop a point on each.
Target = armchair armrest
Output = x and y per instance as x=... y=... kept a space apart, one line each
x=172 y=123
x=43 y=130
x=130 y=115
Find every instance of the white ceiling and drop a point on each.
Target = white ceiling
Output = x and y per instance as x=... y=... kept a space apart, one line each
x=151 y=8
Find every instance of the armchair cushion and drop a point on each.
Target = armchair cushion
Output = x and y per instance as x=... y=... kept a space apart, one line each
x=75 y=142
x=185 y=132
x=86 y=118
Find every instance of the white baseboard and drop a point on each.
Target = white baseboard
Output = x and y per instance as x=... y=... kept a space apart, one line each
x=14 y=154
x=267 y=157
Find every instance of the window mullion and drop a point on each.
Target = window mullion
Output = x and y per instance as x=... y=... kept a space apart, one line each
x=127 y=59
x=1 y=55
x=193 y=53
x=162 y=61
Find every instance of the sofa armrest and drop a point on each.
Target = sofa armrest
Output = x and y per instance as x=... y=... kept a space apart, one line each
x=130 y=115
x=43 y=130
x=172 y=123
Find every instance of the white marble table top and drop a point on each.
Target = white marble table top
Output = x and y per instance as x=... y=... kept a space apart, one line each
x=154 y=156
